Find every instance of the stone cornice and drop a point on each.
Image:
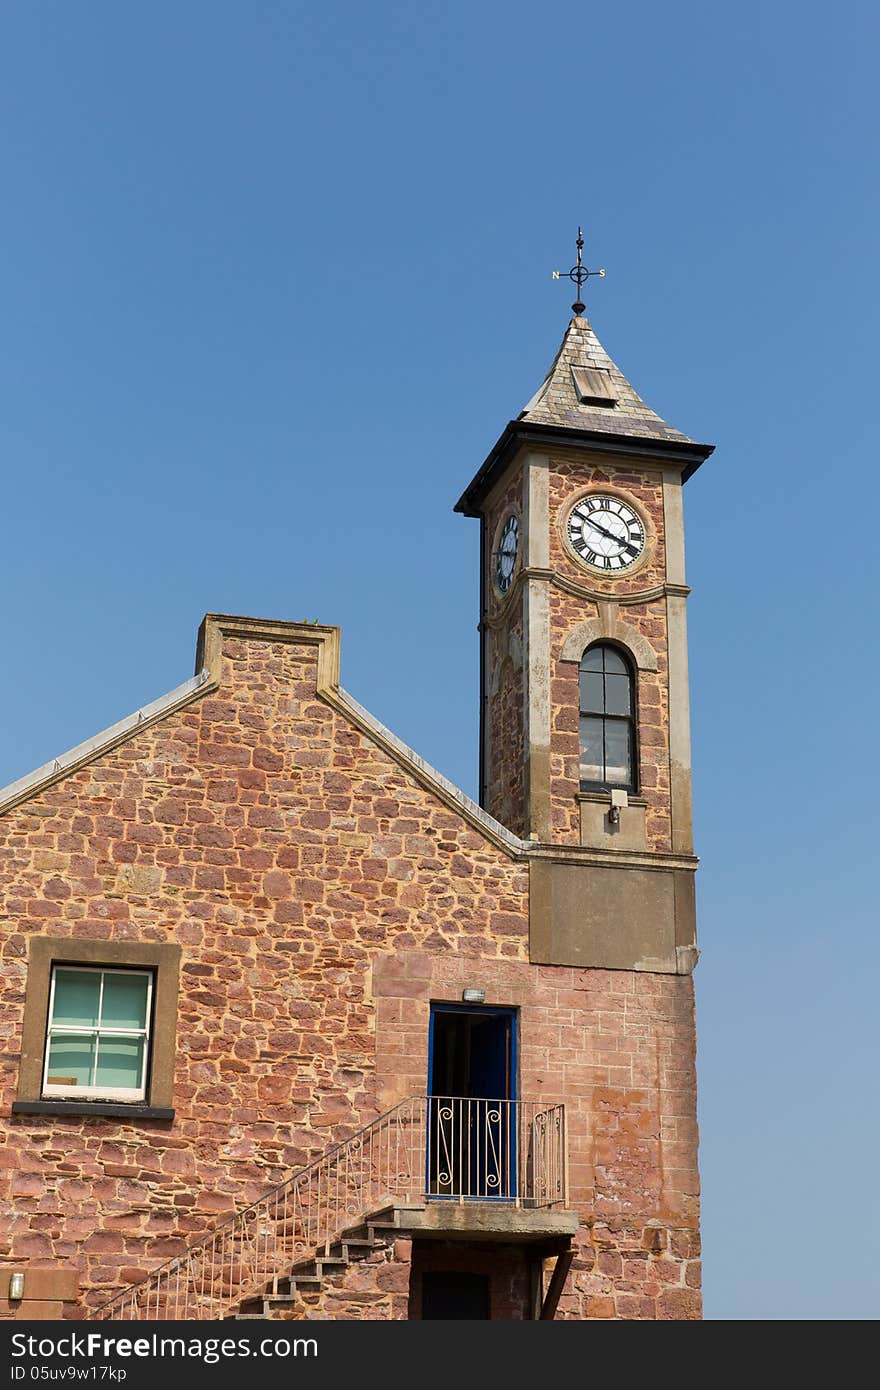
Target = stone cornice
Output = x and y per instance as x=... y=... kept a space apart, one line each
x=581 y=591
x=612 y=858
x=522 y=433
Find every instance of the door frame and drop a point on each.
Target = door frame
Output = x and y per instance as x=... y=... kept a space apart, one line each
x=496 y=1011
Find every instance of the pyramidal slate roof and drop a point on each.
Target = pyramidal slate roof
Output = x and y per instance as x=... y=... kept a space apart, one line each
x=582 y=366
x=585 y=399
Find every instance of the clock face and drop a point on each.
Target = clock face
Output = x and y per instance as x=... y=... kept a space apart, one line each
x=605 y=533
x=505 y=555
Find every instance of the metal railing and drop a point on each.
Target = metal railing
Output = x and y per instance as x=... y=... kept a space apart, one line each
x=426 y=1148
x=494 y=1150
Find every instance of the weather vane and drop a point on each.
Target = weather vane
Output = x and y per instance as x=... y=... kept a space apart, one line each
x=579 y=274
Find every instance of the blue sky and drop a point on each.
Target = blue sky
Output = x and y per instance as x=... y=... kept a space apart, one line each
x=274 y=277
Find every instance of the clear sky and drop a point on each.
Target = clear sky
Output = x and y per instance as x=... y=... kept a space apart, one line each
x=273 y=278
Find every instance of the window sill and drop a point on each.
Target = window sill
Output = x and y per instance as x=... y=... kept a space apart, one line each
x=118 y=1110
x=605 y=797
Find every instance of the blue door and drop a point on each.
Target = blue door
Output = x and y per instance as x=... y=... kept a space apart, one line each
x=472 y=1115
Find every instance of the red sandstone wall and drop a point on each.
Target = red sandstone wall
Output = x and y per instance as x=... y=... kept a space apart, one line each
x=621 y=1270
x=616 y=1046
x=506 y=786
x=506 y=790
x=322 y=898
x=568 y=478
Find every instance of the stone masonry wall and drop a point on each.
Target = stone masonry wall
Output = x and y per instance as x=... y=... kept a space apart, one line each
x=505 y=708
x=506 y=786
x=280 y=848
x=616 y=1046
x=621 y=1270
x=569 y=478
x=321 y=897
x=387 y=1285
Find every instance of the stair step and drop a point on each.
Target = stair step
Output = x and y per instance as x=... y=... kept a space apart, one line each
x=365 y=1248
x=379 y=1234
x=290 y=1283
x=289 y=1294
x=390 y=1211
x=252 y=1308
x=355 y=1242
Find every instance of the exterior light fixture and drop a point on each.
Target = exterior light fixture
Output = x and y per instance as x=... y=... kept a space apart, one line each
x=619 y=801
x=16 y=1287
x=473 y=996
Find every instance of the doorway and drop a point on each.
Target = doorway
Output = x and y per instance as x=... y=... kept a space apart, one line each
x=447 y=1294
x=472 y=1126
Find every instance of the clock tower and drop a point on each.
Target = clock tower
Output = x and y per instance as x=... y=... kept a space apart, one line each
x=585 y=742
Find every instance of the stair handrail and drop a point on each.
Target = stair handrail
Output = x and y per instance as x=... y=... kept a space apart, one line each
x=128 y=1298
x=462 y=1148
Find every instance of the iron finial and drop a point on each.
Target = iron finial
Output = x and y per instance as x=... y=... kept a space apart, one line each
x=578 y=273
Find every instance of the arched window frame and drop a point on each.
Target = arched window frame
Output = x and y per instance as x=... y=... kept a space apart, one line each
x=629 y=721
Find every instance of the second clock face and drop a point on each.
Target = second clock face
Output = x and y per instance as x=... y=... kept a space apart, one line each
x=505 y=556
x=605 y=533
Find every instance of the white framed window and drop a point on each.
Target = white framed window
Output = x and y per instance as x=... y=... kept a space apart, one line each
x=98 y=1034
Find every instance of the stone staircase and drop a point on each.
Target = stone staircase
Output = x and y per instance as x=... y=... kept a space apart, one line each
x=380 y=1171
x=296 y=1295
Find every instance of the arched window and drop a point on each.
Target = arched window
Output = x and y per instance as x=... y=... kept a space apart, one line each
x=607 y=722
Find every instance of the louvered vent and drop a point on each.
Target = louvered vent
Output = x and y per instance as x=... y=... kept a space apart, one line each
x=593 y=386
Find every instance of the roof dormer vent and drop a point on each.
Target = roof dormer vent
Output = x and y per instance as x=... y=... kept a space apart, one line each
x=593 y=386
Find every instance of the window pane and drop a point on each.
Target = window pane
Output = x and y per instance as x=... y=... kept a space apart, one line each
x=617 y=759
x=592 y=694
x=76 y=998
x=125 y=1001
x=617 y=697
x=592 y=660
x=614 y=661
x=119 y=1061
x=591 y=750
x=70 y=1060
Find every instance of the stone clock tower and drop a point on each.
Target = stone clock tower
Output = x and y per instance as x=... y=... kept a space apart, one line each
x=316 y=1035
x=585 y=743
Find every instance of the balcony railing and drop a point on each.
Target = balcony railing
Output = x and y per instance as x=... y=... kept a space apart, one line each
x=444 y=1148
x=493 y=1150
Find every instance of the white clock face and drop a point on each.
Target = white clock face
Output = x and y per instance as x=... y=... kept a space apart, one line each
x=605 y=533
x=505 y=555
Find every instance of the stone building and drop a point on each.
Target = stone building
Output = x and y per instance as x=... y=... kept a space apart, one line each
x=292 y=1028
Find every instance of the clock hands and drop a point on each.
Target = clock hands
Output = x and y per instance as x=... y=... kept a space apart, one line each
x=506 y=559
x=618 y=540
